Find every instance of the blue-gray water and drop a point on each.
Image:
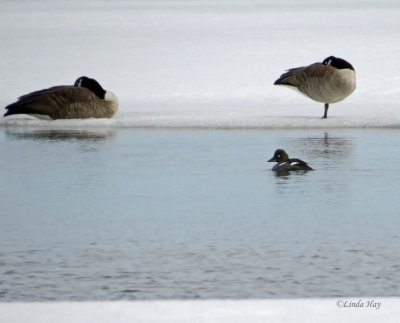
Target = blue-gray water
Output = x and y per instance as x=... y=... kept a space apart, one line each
x=157 y=213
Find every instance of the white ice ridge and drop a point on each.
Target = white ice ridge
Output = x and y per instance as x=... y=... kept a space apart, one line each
x=205 y=120
x=355 y=309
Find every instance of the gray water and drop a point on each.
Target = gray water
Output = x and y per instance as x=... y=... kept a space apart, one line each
x=106 y=214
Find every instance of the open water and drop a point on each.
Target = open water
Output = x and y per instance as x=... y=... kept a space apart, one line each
x=108 y=213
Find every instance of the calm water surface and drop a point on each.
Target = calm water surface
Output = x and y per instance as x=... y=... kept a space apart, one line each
x=157 y=214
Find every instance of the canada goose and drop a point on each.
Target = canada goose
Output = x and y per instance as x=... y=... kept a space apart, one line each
x=286 y=164
x=329 y=82
x=85 y=99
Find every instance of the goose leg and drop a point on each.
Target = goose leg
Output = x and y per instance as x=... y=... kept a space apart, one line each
x=326 y=111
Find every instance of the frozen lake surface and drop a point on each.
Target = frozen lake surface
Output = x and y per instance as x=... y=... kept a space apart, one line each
x=221 y=311
x=206 y=63
x=110 y=214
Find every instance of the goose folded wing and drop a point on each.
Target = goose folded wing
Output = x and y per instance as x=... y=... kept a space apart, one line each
x=50 y=101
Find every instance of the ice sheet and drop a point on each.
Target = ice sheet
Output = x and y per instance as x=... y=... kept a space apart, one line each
x=281 y=310
x=204 y=63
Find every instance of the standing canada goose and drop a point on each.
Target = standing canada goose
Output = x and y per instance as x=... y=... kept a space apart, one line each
x=329 y=82
x=85 y=99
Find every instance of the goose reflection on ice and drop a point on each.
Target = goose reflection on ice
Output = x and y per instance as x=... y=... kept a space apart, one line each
x=42 y=134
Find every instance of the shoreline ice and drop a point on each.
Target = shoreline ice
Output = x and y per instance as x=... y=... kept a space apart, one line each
x=230 y=121
x=355 y=309
x=226 y=114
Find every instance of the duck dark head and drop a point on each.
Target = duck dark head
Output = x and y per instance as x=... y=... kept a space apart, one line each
x=92 y=85
x=338 y=63
x=279 y=156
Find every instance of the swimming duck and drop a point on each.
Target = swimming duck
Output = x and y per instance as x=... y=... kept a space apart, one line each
x=85 y=99
x=285 y=164
x=329 y=82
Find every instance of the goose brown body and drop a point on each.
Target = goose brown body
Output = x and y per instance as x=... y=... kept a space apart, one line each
x=86 y=99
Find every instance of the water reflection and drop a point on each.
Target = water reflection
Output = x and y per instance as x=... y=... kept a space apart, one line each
x=284 y=174
x=94 y=134
x=325 y=146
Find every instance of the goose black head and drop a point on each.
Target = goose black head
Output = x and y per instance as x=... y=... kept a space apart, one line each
x=92 y=85
x=338 y=63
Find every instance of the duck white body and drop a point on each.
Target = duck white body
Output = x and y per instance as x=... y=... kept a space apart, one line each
x=85 y=99
x=329 y=82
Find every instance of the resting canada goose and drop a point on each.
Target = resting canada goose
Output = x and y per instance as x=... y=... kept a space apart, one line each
x=85 y=99
x=329 y=82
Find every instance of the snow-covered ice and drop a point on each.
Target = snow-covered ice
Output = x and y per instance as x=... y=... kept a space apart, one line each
x=249 y=311
x=205 y=63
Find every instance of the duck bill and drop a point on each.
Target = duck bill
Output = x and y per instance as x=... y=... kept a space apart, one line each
x=271 y=160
